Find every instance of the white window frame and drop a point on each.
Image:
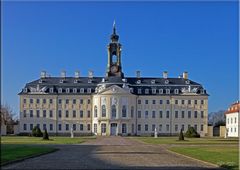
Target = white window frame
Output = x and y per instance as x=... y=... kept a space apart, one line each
x=176 y=91
x=67 y=90
x=160 y=91
x=74 y=90
x=167 y=91
x=59 y=90
x=89 y=90
x=82 y=90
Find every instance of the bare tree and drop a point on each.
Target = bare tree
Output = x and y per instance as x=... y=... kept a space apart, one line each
x=7 y=117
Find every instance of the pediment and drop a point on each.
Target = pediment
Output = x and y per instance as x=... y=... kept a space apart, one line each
x=114 y=89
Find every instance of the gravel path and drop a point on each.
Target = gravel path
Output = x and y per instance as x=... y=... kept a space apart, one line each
x=111 y=153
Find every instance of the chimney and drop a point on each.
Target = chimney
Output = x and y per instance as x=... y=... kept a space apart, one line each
x=63 y=74
x=90 y=74
x=185 y=75
x=77 y=74
x=138 y=74
x=43 y=74
x=165 y=74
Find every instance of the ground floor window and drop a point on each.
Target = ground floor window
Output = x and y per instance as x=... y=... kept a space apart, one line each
x=95 y=128
x=160 y=127
x=59 y=127
x=132 y=128
x=146 y=127
x=81 y=127
x=67 y=126
x=24 y=126
x=124 y=128
x=31 y=126
x=74 y=126
x=51 y=127
x=103 y=127
x=153 y=127
x=139 y=127
x=167 y=127
x=88 y=127
x=201 y=127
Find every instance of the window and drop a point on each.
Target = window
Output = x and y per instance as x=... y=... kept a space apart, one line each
x=146 y=91
x=38 y=125
x=113 y=110
x=60 y=113
x=176 y=114
x=74 y=90
x=31 y=113
x=81 y=101
x=124 y=111
x=66 y=114
x=160 y=113
x=139 y=114
x=51 y=90
x=24 y=126
x=167 y=114
x=103 y=128
x=153 y=127
x=44 y=101
x=189 y=126
x=81 y=113
x=74 y=127
x=195 y=114
x=167 y=91
x=231 y=120
x=37 y=101
x=59 y=127
x=139 y=101
x=44 y=113
x=50 y=113
x=60 y=90
x=195 y=127
x=189 y=101
x=183 y=101
x=202 y=114
x=38 y=113
x=24 y=113
x=67 y=127
x=95 y=111
x=103 y=111
x=235 y=120
x=81 y=127
x=88 y=127
x=132 y=112
x=24 y=101
x=59 y=101
x=160 y=91
x=160 y=101
x=195 y=101
x=176 y=128
x=88 y=114
x=124 y=128
x=202 y=101
x=153 y=101
x=82 y=90
x=146 y=127
x=44 y=126
x=139 y=91
x=50 y=101
x=31 y=101
x=176 y=91
x=139 y=127
x=167 y=101
x=74 y=113
x=167 y=127
x=189 y=114
x=67 y=90
x=146 y=101
x=31 y=126
x=51 y=127
x=146 y=114
x=95 y=128
x=153 y=114
x=160 y=127
x=154 y=91
x=74 y=101
x=67 y=101
x=88 y=101
x=89 y=90
x=201 y=127
x=176 y=101
x=182 y=127
x=183 y=114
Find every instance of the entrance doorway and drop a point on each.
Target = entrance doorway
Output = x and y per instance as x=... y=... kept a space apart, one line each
x=113 y=129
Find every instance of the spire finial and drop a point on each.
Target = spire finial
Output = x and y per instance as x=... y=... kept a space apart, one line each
x=114 y=27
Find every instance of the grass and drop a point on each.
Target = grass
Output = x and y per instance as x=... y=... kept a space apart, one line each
x=226 y=156
x=11 y=152
x=192 y=141
x=38 y=140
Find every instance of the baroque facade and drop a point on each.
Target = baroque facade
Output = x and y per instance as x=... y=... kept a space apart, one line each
x=113 y=104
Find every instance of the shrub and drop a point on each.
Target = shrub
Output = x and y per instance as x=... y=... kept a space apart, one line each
x=192 y=133
x=45 y=135
x=36 y=131
x=181 y=137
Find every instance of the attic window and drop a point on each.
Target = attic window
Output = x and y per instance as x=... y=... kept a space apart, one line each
x=153 y=81
x=82 y=90
x=160 y=91
x=60 y=90
x=61 y=81
x=89 y=80
x=89 y=90
x=202 y=91
x=139 y=82
x=131 y=90
x=75 y=81
x=124 y=80
x=176 y=91
x=51 y=90
x=75 y=90
x=187 y=82
x=139 y=91
x=167 y=91
x=40 y=81
x=166 y=81
x=146 y=91
x=67 y=90
x=154 y=91
x=25 y=90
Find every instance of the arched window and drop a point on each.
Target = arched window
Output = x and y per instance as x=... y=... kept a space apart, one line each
x=113 y=110
x=114 y=59
x=124 y=111
x=103 y=111
x=95 y=111
x=132 y=111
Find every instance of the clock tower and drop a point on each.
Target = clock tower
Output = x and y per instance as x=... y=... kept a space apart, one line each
x=114 y=67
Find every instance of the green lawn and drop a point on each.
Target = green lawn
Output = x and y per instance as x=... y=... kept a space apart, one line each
x=226 y=156
x=195 y=141
x=11 y=152
x=38 y=140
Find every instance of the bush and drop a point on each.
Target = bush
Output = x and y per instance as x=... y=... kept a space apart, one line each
x=192 y=133
x=181 y=137
x=45 y=135
x=36 y=131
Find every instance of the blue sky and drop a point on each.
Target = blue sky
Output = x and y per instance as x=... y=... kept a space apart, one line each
x=198 y=37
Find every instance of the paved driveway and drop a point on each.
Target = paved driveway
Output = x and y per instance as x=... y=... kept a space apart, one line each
x=110 y=153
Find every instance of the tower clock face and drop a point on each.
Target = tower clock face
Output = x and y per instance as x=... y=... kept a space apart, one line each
x=114 y=69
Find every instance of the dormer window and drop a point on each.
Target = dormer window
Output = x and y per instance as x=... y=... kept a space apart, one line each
x=67 y=90
x=202 y=91
x=139 y=82
x=124 y=80
x=61 y=81
x=160 y=91
x=25 y=90
x=51 y=90
x=40 y=81
x=139 y=91
x=131 y=90
x=74 y=90
x=89 y=90
x=154 y=91
x=89 y=80
x=146 y=91
x=82 y=90
x=187 y=82
x=75 y=81
x=176 y=91
x=60 y=90
x=166 y=81
x=167 y=91
x=152 y=81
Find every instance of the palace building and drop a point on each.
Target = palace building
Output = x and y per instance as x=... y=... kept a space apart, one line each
x=113 y=104
x=232 y=120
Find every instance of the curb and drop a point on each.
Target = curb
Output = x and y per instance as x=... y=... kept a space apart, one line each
x=27 y=157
